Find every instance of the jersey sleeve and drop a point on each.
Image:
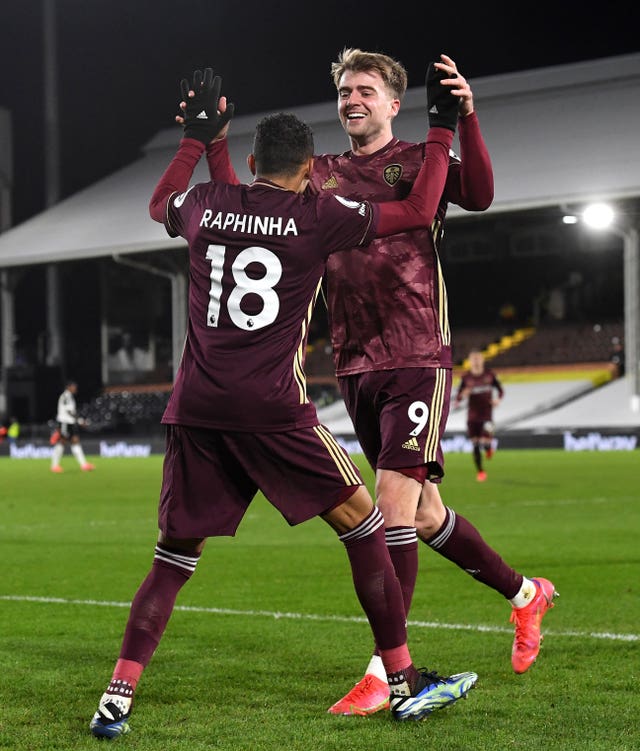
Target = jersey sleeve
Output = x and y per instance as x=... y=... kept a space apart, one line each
x=174 y=181
x=345 y=223
x=219 y=162
x=470 y=183
x=178 y=211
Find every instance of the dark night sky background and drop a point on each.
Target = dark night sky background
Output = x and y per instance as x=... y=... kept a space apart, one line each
x=119 y=63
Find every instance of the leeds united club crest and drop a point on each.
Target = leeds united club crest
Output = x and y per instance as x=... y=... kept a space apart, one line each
x=392 y=173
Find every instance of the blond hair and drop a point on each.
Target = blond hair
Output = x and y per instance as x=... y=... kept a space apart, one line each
x=391 y=71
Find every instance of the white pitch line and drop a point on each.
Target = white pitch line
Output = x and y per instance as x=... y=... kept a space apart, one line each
x=323 y=618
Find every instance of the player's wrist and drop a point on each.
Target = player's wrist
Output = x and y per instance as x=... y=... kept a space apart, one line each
x=195 y=134
x=192 y=144
x=216 y=145
x=440 y=133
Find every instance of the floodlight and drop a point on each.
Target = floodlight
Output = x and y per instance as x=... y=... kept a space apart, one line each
x=598 y=215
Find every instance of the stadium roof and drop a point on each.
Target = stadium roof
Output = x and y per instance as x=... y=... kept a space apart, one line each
x=561 y=135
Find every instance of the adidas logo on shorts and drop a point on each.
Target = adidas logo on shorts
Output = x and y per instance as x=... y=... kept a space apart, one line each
x=412 y=444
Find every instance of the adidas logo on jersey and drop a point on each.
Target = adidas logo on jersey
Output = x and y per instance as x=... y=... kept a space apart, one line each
x=412 y=444
x=330 y=183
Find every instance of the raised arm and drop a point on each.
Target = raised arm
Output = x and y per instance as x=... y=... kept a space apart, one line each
x=219 y=162
x=176 y=177
x=202 y=122
x=476 y=172
x=419 y=208
x=470 y=184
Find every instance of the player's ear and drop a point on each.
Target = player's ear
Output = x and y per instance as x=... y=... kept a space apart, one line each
x=251 y=163
x=308 y=169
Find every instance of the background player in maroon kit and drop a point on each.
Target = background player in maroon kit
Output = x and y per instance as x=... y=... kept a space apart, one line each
x=477 y=386
x=392 y=342
x=239 y=418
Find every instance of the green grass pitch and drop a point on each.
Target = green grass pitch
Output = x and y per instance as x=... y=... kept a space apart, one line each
x=268 y=632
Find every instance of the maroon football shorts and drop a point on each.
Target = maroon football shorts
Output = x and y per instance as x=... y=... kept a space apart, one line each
x=399 y=418
x=480 y=429
x=209 y=477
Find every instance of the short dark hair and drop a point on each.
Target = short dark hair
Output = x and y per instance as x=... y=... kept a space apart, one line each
x=282 y=142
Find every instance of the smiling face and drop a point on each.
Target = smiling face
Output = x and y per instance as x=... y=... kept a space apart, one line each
x=366 y=109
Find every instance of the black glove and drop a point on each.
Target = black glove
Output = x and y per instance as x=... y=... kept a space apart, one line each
x=201 y=117
x=442 y=105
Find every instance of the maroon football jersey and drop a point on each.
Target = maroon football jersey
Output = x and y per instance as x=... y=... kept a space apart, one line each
x=479 y=390
x=389 y=309
x=257 y=255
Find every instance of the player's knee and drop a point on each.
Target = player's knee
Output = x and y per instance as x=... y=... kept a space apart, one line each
x=397 y=498
x=397 y=512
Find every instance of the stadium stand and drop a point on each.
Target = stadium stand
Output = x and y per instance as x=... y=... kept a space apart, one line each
x=525 y=399
x=563 y=343
x=548 y=344
x=525 y=363
x=477 y=337
x=138 y=410
x=606 y=407
x=551 y=374
x=130 y=411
